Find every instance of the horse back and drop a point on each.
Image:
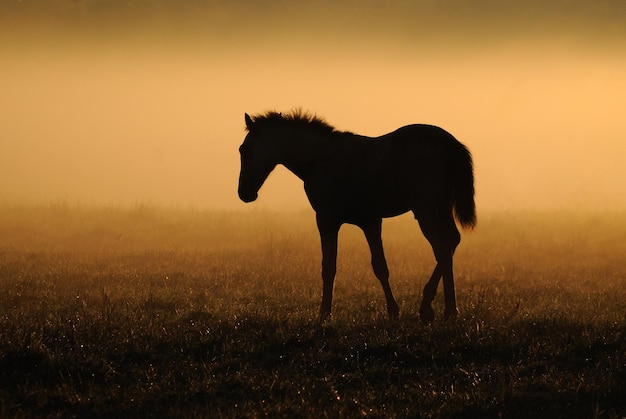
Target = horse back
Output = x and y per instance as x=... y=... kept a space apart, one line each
x=383 y=176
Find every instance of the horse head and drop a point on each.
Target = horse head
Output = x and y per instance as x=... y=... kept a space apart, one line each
x=257 y=162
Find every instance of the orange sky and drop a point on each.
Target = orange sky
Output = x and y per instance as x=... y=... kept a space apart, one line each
x=151 y=110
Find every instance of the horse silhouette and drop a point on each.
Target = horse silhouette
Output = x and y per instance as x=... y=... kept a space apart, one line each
x=350 y=178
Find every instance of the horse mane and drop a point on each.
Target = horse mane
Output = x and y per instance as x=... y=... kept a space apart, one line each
x=296 y=118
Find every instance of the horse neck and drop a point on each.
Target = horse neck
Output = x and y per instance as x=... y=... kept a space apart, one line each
x=301 y=149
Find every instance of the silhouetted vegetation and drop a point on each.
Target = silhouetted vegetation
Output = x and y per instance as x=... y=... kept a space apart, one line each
x=148 y=312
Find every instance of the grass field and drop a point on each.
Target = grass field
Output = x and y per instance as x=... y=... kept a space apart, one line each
x=151 y=312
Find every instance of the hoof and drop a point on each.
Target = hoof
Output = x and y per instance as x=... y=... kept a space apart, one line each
x=393 y=312
x=324 y=317
x=451 y=314
x=427 y=314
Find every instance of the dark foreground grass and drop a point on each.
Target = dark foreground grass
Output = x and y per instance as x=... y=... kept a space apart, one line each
x=155 y=313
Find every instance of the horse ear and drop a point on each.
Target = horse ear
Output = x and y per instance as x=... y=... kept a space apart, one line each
x=249 y=122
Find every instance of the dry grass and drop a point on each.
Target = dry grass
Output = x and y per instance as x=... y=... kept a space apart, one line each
x=157 y=313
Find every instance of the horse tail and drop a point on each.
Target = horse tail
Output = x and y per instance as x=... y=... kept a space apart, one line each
x=463 y=184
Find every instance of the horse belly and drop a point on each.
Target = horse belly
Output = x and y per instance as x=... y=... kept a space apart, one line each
x=361 y=199
x=379 y=182
x=396 y=190
x=389 y=199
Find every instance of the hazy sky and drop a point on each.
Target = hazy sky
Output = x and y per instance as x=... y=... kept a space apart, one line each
x=119 y=102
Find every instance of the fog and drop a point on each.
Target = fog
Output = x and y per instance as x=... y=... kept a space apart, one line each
x=141 y=102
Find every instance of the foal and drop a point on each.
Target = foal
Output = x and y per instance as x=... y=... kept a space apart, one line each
x=350 y=178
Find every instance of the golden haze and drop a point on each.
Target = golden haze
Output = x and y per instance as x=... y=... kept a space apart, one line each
x=155 y=114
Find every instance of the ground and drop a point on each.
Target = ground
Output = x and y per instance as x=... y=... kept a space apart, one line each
x=153 y=312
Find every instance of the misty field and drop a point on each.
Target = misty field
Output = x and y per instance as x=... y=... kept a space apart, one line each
x=152 y=312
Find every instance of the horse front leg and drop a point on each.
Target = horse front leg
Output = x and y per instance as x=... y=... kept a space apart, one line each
x=373 y=233
x=328 y=235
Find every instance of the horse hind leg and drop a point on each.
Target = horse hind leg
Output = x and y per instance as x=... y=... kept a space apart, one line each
x=444 y=237
x=379 y=264
x=427 y=314
x=444 y=252
x=450 y=310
